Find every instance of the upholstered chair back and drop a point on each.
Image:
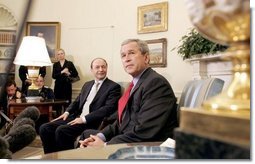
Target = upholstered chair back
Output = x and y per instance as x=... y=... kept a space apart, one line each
x=197 y=91
x=123 y=86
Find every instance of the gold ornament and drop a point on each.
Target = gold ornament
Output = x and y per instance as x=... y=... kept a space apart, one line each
x=227 y=22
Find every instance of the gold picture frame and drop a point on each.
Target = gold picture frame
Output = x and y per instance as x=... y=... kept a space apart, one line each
x=50 y=31
x=152 y=18
x=158 y=52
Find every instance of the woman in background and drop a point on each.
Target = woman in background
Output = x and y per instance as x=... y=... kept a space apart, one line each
x=62 y=71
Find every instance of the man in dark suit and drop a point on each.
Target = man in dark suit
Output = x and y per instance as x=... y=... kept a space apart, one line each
x=12 y=92
x=150 y=112
x=44 y=91
x=98 y=99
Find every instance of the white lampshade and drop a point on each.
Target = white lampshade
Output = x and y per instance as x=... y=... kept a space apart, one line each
x=32 y=52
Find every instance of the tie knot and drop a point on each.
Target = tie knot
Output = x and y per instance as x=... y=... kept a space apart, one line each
x=96 y=85
x=130 y=86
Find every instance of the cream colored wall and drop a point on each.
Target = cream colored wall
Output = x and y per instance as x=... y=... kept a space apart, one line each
x=96 y=28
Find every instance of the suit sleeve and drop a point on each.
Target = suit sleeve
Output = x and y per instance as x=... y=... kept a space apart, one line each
x=22 y=73
x=72 y=69
x=50 y=94
x=42 y=71
x=74 y=107
x=56 y=71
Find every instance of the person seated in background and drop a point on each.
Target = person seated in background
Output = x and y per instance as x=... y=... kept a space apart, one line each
x=23 y=75
x=44 y=91
x=98 y=99
x=12 y=92
x=146 y=111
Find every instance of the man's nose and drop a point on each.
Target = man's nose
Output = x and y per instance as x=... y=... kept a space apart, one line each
x=126 y=58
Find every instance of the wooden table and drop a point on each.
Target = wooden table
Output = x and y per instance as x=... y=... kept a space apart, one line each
x=44 y=106
x=91 y=153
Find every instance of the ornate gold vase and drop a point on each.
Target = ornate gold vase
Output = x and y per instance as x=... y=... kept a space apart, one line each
x=227 y=22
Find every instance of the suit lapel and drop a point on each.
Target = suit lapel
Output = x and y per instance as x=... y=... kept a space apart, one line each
x=126 y=117
x=87 y=90
x=65 y=64
x=101 y=90
x=141 y=80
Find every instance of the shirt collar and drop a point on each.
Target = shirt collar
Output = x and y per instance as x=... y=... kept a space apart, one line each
x=136 y=79
x=100 y=81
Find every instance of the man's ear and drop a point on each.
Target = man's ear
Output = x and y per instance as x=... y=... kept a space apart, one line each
x=147 y=58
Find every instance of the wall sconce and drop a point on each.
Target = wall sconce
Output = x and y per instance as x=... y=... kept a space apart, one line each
x=33 y=54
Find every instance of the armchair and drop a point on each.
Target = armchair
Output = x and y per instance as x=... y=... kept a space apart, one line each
x=197 y=91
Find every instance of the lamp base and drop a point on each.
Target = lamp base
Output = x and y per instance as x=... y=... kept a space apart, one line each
x=33 y=73
x=33 y=99
x=33 y=86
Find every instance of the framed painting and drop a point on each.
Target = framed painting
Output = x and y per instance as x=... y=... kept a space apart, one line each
x=152 y=18
x=158 y=52
x=50 y=31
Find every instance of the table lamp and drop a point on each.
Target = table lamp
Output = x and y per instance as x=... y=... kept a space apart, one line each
x=33 y=54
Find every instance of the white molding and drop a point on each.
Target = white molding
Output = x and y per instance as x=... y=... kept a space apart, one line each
x=212 y=66
x=75 y=93
x=7 y=19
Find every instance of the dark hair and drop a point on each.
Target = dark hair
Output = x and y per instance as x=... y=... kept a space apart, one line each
x=9 y=83
x=91 y=64
x=143 y=46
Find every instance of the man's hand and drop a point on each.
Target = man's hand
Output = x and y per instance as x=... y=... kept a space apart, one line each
x=92 y=141
x=28 y=81
x=76 y=121
x=18 y=95
x=63 y=116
